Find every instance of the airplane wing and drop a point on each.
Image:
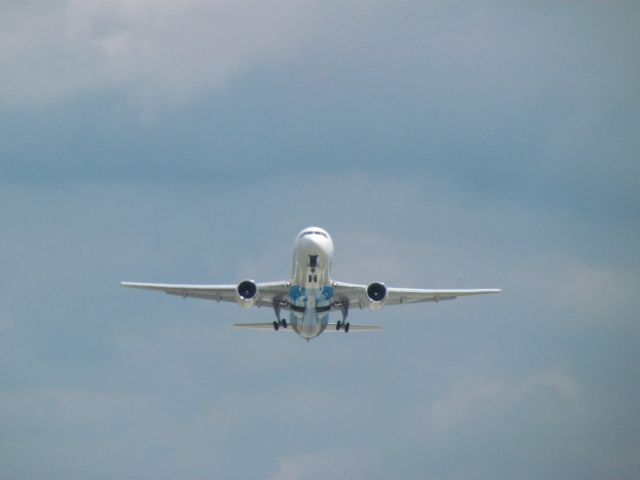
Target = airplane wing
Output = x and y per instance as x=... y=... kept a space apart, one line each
x=268 y=293
x=356 y=295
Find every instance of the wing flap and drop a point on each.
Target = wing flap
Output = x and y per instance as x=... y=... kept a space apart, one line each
x=397 y=296
x=356 y=295
x=220 y=293
x=268 y=293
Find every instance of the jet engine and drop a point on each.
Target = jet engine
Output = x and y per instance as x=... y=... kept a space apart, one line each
x=247 y=293
x=377 y=294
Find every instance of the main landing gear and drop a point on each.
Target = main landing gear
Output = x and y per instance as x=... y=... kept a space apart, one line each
x=282 y=323
x=343 y=325
x=279 y=322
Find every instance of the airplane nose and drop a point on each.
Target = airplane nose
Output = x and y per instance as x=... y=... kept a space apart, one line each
x=318 y=246
x=310 y=245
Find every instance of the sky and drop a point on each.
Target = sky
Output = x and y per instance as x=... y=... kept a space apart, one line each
x=442 y=144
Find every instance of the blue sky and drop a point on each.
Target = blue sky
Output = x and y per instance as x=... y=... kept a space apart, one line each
x=441 y=144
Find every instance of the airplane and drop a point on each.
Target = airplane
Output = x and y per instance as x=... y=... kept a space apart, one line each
x=311 y=294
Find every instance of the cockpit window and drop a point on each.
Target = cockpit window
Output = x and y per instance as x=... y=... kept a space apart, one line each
x=313 y=232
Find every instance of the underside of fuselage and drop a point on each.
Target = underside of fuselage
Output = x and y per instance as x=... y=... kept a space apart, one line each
x=310 y=308
x=308 y=326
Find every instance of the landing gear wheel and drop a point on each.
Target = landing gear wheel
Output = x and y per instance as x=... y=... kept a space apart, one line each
x=283 y=323
x=346 y=327
x=338 y=325
x=276 y=325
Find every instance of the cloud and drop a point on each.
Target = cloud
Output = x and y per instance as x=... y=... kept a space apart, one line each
x=598 y=289
x=297 y=469
x=165 y=51
x=171 y=51
x=332 y=464
x=482 y=396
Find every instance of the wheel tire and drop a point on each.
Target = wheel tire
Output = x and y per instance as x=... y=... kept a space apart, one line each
x=346 y=327
x=284 y=323
x=338 y=325
x=276 y=325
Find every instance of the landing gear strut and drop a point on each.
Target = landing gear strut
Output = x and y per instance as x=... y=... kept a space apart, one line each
x=343 y=325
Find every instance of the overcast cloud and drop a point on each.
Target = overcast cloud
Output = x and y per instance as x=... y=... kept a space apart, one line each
x=155 y=52
x=442 y=145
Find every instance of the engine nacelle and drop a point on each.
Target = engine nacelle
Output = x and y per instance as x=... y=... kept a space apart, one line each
x=377 y=294
x=247 y=293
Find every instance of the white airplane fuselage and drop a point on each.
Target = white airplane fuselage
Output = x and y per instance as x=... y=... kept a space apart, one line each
x=311 y=288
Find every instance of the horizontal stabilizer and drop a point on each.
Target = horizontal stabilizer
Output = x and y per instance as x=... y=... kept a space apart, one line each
x=261 y=326
x=353 y=328
x=330 y=328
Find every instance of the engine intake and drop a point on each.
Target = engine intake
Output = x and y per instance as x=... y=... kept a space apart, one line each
x=247 y=293
x=377 y=294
